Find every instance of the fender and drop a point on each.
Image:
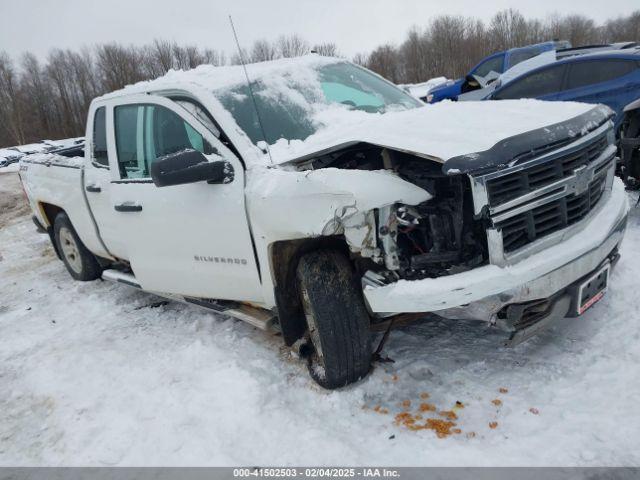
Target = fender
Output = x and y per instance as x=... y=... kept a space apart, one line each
x=632 y=106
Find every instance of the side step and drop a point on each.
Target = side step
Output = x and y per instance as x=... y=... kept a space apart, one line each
x=120 y=277
x=258 y=317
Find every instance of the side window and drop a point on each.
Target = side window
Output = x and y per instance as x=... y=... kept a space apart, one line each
x=129 y=128
x=521 y=56
x=100 y=137
x=491 y=65
x=582 y=74
x=167 y=133
x=535 y=85
x=145 y=133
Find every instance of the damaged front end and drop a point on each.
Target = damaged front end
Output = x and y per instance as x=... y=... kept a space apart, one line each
x=436 y=237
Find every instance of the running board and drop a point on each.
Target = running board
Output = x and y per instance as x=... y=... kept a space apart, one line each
x=120 y=277
x=257 y=317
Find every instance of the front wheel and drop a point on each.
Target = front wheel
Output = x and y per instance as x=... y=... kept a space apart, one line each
x=337 y=319
x=80 y=262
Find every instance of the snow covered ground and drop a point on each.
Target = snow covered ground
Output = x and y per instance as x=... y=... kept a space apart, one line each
x=100 y=374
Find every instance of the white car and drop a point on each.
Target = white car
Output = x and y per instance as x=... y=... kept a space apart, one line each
x=321 y=200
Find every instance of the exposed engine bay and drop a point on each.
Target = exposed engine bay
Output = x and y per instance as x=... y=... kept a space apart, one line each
x=438 y=237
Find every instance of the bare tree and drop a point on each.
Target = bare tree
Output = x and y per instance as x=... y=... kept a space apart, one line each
x=326 y=49
x=386 y=61
x=51 y=99
x=263 y=50
x=361 y=59
x=292 y=46
x=11 y=105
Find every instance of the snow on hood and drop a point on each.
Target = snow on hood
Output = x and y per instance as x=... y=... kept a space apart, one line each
x=440 y=131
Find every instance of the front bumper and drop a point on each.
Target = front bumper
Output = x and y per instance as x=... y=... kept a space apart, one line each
x=480 y=293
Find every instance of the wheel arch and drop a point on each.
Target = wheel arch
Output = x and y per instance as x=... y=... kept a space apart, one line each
x=284 y=257
x=49 y=212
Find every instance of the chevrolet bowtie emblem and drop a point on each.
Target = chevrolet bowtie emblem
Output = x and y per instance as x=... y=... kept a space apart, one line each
x=582 y=179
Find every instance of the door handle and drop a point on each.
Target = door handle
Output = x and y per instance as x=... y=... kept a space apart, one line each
x=93 y=189
x=127 y=207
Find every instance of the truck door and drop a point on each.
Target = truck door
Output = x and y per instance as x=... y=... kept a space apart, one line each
x=190 y=240
x=97 y=185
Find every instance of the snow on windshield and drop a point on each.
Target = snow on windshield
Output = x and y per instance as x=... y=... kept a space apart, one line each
x=295 y=104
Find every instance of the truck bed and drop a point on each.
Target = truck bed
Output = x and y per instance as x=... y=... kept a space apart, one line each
x=55 y=181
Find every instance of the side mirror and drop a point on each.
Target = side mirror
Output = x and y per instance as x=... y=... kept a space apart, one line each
x=189 y=166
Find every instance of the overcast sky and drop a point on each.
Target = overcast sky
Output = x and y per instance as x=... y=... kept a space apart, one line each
x=354 y=25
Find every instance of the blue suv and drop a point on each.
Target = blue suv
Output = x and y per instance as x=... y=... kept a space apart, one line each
x=611 y=78
x=489 y=69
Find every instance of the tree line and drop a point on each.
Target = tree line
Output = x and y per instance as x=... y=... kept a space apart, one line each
x=49 y=99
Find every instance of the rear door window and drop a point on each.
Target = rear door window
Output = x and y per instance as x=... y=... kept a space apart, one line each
x=129 y=129
x=582 y=74
x=100 y=137
x=537 y=84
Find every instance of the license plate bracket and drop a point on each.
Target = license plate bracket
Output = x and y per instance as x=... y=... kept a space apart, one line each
x=593 y=289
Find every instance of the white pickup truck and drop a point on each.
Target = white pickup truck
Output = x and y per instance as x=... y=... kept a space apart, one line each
x=323 y=201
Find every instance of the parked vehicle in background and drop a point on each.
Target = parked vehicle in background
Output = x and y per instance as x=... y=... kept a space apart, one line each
x=610 y=77
x=9 y=156
x=586 y=49
x=541 y=60
x=489 y=69
x=315 y=204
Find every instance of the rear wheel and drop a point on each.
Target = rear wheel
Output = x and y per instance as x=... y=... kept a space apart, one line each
x=338 y=322
x=80 y=262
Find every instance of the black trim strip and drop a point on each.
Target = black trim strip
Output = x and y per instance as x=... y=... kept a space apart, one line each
x=534 y=142
x=145 y=180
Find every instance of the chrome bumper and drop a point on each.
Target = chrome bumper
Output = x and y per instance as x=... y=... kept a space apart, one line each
x=480 y=293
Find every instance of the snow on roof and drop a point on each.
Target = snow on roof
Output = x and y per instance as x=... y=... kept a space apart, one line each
x=213 y=78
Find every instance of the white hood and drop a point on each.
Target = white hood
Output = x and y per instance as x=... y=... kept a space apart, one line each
x=440 y=131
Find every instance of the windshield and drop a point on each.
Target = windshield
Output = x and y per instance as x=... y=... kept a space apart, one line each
x=287 y=103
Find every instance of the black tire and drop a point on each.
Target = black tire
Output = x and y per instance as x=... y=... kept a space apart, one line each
x=337 y=319
x=80 y=262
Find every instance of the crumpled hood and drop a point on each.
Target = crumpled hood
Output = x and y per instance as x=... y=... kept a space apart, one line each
x=455 y=134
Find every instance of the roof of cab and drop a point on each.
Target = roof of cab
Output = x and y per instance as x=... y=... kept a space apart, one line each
x=217 y=77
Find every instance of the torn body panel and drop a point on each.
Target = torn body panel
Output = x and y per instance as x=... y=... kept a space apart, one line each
x=290 y=205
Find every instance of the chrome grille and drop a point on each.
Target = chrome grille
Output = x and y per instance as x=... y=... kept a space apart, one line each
x=546 y=219
x=530 y=206
x=516 y=184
